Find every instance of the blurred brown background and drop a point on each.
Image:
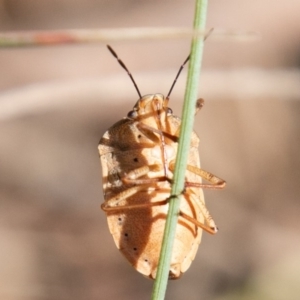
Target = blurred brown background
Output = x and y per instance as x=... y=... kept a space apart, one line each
x=56 y=103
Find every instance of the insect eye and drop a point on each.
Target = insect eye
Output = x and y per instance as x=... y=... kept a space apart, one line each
x=132 y=114
x=169 y=111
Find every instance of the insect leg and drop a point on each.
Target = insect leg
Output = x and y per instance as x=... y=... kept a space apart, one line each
x=142 y=184
x=215 y=182
x=148 y=129
x=199 y=105
x=113 y=203
x=134 y=176
x=161 y=141
x=209 y=224
x=212 y=228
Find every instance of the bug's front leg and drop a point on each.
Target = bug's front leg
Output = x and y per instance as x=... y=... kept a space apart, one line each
x=199 y=105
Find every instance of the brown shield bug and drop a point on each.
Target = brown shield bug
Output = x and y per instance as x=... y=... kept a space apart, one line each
x=137 y=155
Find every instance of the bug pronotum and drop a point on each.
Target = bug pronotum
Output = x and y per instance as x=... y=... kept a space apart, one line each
x=137 y=155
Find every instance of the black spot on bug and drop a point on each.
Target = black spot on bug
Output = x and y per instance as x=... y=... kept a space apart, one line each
x=134 y=249
x=120 y=219
x=146 y=260
x=139 y=136
x=126 y=234
x=136 y=159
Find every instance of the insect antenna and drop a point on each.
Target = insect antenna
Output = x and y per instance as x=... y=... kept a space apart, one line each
x=175 y=80
x=125 y=68
x=182 y=66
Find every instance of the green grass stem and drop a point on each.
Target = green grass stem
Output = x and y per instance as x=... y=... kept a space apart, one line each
x=190 y=99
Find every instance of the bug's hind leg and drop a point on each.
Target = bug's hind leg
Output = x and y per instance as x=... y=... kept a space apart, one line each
x=211 y=228
x=209 y=224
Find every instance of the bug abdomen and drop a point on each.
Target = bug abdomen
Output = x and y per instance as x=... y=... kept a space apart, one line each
x=138 y=234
